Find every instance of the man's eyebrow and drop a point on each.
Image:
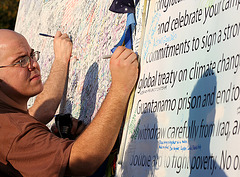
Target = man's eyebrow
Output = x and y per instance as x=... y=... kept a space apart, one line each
x=23 y=55
x=20 y=56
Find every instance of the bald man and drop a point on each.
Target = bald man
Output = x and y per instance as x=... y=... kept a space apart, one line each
x=27 y=147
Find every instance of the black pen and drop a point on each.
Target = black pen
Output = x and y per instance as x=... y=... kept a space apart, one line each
x=46 y=35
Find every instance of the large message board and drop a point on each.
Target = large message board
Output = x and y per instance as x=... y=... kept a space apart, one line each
x=94 y=30
x=185 y=119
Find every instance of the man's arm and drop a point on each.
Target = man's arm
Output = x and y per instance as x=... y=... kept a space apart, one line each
x=94 y=145
x=47 y=101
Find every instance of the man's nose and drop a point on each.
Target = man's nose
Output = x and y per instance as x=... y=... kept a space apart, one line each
x=32 y=64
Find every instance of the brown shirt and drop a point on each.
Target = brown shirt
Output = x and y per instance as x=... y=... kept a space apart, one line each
x=28 y=148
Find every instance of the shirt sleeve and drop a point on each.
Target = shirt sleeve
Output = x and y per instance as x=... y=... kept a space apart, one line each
x=37 y=152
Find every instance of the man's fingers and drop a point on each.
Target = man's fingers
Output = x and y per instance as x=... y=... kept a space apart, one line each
x=80 y=129
x=74 y=126
x=122 y=53
x=118 y=52
x=77 y=127
x=54 y=129
x=126 y=54
x=58 y=34
x=132 y=58
x=65 y=36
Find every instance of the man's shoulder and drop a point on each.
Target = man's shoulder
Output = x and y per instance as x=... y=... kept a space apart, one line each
x=9 y=124
x=12 y=125
x=8 y=132
x=16 y=120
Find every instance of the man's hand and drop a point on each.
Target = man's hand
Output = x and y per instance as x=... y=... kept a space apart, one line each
x=77 y=128
x=124 y=69
x=62 y=47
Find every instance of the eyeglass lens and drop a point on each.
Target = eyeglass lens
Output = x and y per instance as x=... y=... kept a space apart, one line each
x=26 y=60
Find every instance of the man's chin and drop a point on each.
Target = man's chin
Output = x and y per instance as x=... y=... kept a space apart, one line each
x=37 y=91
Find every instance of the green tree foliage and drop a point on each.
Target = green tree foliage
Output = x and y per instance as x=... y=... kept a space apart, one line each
x=8 y=13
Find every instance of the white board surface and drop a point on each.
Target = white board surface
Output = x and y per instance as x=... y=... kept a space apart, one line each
x=186 y=114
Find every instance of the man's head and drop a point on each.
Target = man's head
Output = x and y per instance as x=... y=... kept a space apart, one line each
x=17 y=82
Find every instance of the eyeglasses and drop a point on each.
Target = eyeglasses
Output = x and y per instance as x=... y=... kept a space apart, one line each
x=25 y=61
